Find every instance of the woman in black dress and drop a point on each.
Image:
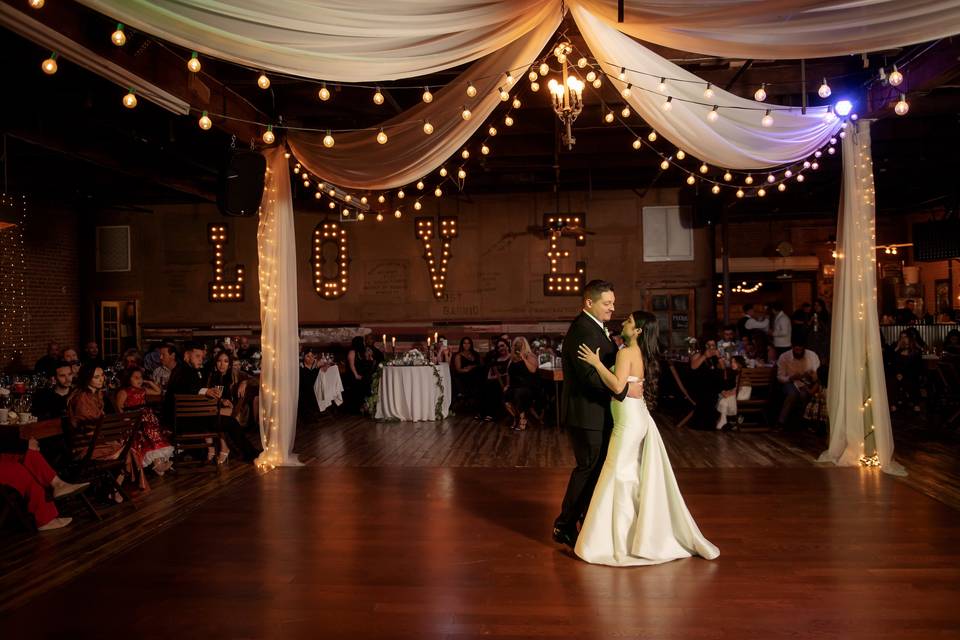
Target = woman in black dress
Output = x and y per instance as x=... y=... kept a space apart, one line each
x=521 y=390
x=707 y=376
x=468 y=374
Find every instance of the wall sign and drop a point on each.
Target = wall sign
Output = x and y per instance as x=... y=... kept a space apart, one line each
x=437 y=237
x=223 y=289
x=571 y=226
x=325 y=234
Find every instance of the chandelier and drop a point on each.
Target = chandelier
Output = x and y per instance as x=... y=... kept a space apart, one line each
x=567 y=94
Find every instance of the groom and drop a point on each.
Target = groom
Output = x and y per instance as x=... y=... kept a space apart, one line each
x=586 y=404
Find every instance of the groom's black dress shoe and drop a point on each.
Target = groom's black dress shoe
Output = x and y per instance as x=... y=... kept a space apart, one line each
x=565 y=537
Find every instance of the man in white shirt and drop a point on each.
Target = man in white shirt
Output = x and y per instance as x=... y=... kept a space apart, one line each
x=758 y=319
x=796 y=371
x=782 y=328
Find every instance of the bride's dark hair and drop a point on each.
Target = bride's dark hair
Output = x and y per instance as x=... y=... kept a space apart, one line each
x=649 y=343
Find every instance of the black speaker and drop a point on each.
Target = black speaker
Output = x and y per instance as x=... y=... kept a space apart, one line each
x=241 y=183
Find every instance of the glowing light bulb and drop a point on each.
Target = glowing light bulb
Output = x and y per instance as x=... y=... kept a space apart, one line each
x=608 y=117
x=49 y=65
x=767 y=119
x=485 y=150
x=748 y=179
x=626 y=91
x=704 y=168
x=427 y=127
x=130 y=100
x=708 y=92
x=691 y=179
x=382 y=137
x=420 y=185
x=263 y=81
x=740 y=193
x=401 y=194
x=492 y=130
x=727 y=177
x=771 y=178
x=380 y=216
x=652 y=136
x=534 y=86
x=118 y=37
x=36 y=4
x=761 y=93
x=324 y=93
x=268 y=137
x=381 y=198
x=533 y=76
x=815 y=166
x=471 y=90
x=465 y=114
x=781 y=187
x=637 y=143
x=681 y=154
x=662 y=86
x=205 y=122
x=516 y=103
x=193 y=64
x=801 y=177
x=895 y=78
x=667 y=104
x=328 y=140
x=397 y=214
x=623 y=73
x=427 y=96
x=761 y=192
x=824 y=91
x=626 y=112
x=582 y=63
x=597 y=83
x=465 y=154
x=509 y=77
x=591 y=76
x=462 y=174
x=713 y=115
x=437 y=192
x=508 y=121
x=715 y=189
x=417 y=205
x=901 y=108
x=360 y=216
x=377 y=97
x=665 y=165
x=504 y=96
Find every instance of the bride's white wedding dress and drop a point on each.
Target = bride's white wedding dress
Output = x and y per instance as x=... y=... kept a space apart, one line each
x=637 y=515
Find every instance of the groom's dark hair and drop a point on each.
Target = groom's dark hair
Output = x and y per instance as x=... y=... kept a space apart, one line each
x=595 y=288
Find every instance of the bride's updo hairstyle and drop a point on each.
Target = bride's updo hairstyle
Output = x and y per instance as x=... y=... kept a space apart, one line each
x=649 y=343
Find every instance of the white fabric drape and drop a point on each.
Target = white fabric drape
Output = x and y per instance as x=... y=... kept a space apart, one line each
x=411 y=393
x=338 y=40
x=737 y=140
x=328 y=389
x=856 y=391
x=781 y=28
x=280 y=338
x=358 y=161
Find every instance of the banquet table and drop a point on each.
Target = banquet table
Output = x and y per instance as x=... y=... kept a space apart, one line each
x=328 y=388
x=411 y=393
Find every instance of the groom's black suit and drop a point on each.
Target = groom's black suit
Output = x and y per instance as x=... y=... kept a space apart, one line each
x=586 y=413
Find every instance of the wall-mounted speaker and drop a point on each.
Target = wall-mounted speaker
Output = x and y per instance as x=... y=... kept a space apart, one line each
x=241 y=183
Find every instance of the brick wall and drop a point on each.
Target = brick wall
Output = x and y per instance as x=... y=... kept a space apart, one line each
x=52 y=310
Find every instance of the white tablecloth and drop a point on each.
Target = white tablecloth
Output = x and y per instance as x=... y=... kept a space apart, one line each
x=328 y=388
x=410 y=393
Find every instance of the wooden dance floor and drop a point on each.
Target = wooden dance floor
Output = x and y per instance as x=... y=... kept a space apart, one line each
x=428 y=552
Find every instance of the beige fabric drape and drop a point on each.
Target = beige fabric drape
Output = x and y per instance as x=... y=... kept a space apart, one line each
x=358 y=161
x=279 y=316
x=856 y=391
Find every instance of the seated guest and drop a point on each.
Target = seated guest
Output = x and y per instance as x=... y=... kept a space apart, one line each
x=91 y=354
x=51 y=402
x=729 y=345
x=151 y=359
x=468 y=374
x=151 y=447
x=816 y=411
x=31 y=476
x=763 y=351
x=797 y=372
x=731 y=390
x=706 y=383
x=70 y=357
x=521 y=389
x=245 y=349
x=47 y=364
x=496 y=365
x=132 y=359
x=232 y=392
x=168 y=360
x=907 y=314
x=443 y=350
x=951 y=343
x=907 y=371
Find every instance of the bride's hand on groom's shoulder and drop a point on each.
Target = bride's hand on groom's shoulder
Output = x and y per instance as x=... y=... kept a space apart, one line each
x=589 y=356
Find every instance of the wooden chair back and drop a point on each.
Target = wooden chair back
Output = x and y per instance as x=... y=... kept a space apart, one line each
x=194 y=406
x=757 y=377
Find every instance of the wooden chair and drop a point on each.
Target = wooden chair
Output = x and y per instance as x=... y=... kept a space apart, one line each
x=683 y=390
x=119 y=428
x=192 y=408
x=761 y=380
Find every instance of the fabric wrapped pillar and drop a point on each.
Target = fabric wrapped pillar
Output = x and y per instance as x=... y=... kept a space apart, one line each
x=860 y=430
x=280 y=340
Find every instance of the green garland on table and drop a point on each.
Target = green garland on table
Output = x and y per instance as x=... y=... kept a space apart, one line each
x=374 y=398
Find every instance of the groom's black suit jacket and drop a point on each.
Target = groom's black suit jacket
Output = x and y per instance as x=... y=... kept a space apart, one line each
x=586 y=400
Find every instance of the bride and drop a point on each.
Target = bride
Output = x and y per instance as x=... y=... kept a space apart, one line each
x=637 y=515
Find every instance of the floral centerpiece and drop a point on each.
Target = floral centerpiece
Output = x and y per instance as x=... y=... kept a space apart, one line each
x=412 y=358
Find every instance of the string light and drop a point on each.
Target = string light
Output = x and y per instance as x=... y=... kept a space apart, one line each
x=118 y=37
x=49 y=65
x=516 y=103
x=427 y=96
x=382 y=137
x=205 y=122
x=268 y=137
x=465 y=114
x=748 y=179
x=665 y=165
x=704 y=168
x=740 y=193
x=637 y=144
x=533 y=76
x=662 y=87
x=713 y=115
x=767 y=119
x=667 y=104
x=623 y=73
x=727 y=177
x=328 y=140
x=708 y=92
x=902 y=107
x=443 y=172
x=609 y=117
x=691 y=179
x=761 y=93
x=652 y=136
x=626 y=91
x=427 y=127
x=715 y=189
x=437 y=192
x=462 y=174
x=504 y=96
x=761 y=192
x=626 y=112
x=896 y=78
x=508 y=120
x=377 y=97
x=380 y=217
x=471 y=91
x=130 y=100
x=193 y=64
x=465 y=154
x=420 y=185
x=401 y=195
x=36 y=4
x=324 y=93
x=263 y=81
x=681 y=154
x=534 y=86
x=824 y=91
x=397 y=214
x=485 y=150
x=492 y=131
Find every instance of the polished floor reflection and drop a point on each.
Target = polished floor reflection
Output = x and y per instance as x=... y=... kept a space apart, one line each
x=407 y=552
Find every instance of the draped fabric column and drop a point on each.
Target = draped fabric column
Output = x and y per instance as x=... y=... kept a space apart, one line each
x=280 y=338
x=857 y=393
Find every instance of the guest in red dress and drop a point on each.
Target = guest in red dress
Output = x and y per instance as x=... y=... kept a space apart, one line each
x=30 y=476
x=151 y=446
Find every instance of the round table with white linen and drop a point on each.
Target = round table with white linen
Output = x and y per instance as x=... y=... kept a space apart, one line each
x=411 y=393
